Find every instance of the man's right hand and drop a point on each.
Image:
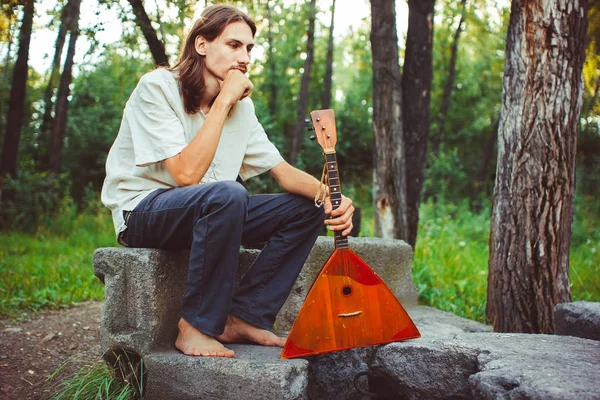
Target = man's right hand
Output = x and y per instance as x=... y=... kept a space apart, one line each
x=235 y=87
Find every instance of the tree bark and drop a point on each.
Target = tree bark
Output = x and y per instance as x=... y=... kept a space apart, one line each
x=48 y=119
x=301 y=115
x=449 y=86
x=535 y=180
x=157 y=47
x=416 y=98
x=6 y=68
x=16 y=107
x=389 y=185
x=326 y=98
x=62 y=98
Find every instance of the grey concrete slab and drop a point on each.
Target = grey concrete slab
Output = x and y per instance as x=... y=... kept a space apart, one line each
x=255 y=373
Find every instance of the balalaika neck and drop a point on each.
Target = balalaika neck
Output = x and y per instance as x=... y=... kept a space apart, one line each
x=335 y=194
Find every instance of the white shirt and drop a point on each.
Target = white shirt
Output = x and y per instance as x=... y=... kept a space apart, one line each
x=155 y=127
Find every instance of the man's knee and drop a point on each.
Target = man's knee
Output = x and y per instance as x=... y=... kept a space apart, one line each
x=309 y=212
x=229 y=193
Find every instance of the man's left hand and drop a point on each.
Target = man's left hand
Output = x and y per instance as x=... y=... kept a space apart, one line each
x=340 y=218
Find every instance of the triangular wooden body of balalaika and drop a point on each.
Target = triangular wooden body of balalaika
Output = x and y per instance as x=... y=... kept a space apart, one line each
x=348 y=306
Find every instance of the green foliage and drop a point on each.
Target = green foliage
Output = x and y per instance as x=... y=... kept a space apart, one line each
x=34 y=199
x=475 y=101
x=46 y=261
x=450 y=264
x=451 y=257
x=94 y=381
x=99 y=97
x=585 y=250
x=52 y=269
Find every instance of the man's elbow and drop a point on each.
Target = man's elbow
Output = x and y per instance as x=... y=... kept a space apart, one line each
x=184 y=178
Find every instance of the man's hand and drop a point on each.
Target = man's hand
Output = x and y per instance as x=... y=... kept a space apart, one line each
x=235 y=87
x=341 y=217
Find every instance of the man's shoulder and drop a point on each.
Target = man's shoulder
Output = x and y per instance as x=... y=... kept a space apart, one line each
x=159 y=77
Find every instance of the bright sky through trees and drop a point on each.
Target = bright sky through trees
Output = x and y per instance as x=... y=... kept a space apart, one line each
x=348 y=13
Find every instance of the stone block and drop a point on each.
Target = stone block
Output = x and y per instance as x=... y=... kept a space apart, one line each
x=144 y=287
x=580 y=318
x=331 y=375
x=256 y=372
x=488 y=366
x=143 y=297
x=434 y=323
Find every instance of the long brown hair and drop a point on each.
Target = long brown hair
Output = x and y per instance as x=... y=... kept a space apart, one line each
x=191 y=65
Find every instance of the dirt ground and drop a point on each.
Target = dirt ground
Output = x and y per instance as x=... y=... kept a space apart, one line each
x=32 y=350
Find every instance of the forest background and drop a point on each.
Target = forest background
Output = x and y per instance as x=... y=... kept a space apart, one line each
x=51 y=219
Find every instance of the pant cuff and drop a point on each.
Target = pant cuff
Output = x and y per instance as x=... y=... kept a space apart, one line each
x=251 y=320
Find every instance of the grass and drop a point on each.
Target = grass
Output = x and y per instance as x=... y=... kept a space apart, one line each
x=450 y=262
x=97 y=381
x=51 y=270
x=54 y=270
x=451 y=257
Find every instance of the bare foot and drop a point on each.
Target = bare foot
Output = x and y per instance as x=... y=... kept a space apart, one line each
x=192 y=342
x=237 y=330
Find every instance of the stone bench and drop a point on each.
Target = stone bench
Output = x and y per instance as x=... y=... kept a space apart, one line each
x=144 y=287
x=454 y=358
x=143 y=298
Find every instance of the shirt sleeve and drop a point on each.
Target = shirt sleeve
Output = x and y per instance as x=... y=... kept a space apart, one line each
x=157 y=132
x=261 y=154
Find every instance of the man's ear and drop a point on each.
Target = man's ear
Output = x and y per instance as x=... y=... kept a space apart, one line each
x=200 y=45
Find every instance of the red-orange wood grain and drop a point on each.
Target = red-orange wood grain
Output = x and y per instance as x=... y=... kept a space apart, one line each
x=348 y=306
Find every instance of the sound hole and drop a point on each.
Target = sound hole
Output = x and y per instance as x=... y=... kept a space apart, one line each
x=346 y=290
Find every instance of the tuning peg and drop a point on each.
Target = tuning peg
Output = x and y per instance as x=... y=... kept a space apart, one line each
x=310 y=128
x=313 y=138
x=307 y=120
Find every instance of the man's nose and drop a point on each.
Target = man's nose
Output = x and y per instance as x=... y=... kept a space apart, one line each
x=244 y=58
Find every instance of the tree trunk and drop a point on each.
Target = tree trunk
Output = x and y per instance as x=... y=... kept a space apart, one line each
x=535 y=180
x=47 y=120
x=157 y=47
x=62 y=99
x=448 y=87
x=301 y=115
x=5 y=70
x=326 y=98
x=416 y=98
x=16 y=107
x=389 y=185
x=486 y=159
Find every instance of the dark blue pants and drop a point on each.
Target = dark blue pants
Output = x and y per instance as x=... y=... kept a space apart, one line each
x=213 y=220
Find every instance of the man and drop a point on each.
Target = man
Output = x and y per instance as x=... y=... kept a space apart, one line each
x=186 y=135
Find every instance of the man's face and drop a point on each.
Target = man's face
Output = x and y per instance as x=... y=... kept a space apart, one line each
x=231 y=50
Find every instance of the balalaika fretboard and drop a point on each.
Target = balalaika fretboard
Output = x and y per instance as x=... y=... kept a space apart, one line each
x=335 y=194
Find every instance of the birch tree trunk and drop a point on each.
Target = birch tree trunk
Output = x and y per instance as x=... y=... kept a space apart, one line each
x=16 y=106
x=416 y=98
x=299 y=128
x=535 y=179
x=389 y=184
